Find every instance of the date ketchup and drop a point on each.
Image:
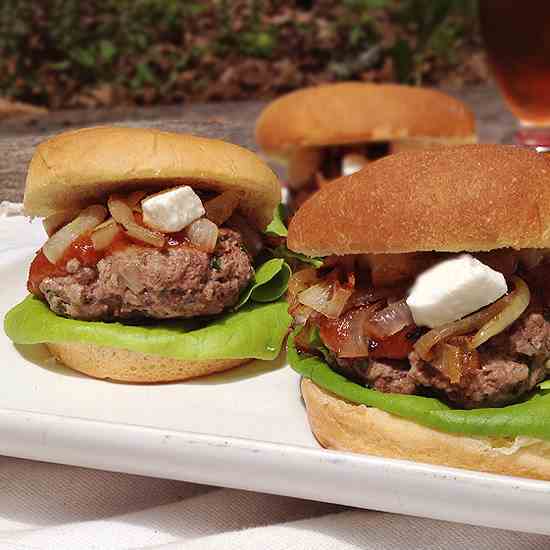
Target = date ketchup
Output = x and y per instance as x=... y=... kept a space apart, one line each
x=83 y=250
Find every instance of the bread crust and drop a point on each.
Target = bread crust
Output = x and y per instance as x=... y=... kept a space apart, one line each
x=76 y=168
x=344 y=426
x=352 y=112
x=132 y=366
x=466 y=198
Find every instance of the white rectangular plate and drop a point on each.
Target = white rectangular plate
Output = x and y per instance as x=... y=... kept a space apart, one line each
x=246 y=428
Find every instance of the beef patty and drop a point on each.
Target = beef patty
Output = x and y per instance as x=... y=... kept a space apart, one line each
x=140 y=281
x=511 y=365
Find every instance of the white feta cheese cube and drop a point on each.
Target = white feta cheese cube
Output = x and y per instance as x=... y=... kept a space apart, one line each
x=453 y=289
x=172 y=210
x=352 y=162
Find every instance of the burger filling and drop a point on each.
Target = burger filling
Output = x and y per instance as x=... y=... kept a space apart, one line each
x=472 y=331
x=310 y=169
x=177 y=253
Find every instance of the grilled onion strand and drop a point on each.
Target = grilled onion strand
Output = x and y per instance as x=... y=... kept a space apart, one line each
x=56 y=246
x=425 y=344
x=519 y=299
x=203 y=234
x=104 y=234
x=124 y=215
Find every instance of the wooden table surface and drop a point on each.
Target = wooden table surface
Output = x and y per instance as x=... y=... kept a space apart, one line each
x=233 y=121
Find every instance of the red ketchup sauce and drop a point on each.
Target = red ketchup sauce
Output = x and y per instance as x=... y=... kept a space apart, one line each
x=83 y=250
x=397 y=346
x=335 y=334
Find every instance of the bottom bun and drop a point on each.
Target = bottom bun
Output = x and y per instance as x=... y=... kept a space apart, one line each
x=131 y=366
x=344 y=426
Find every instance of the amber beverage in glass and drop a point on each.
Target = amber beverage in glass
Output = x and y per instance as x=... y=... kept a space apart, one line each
x=517 y=40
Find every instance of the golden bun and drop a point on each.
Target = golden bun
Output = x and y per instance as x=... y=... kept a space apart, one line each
x=344 y=426
x=467 y=198
x=131 y=366
x=76 y=168
x=353 y=112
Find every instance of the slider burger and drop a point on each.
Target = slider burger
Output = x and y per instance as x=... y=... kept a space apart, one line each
x=324 y=132
x=152 y=268
x=425 y=335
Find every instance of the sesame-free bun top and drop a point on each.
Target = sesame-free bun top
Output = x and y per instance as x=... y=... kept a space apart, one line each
x=467 y=198
x=78 y=168
x=355 y=112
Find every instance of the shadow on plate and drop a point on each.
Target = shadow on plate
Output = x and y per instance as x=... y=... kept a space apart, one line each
x=39 y=355
x=236 y=374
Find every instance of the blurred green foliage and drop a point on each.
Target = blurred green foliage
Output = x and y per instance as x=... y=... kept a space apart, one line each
x=55 y=52
x=438 y=26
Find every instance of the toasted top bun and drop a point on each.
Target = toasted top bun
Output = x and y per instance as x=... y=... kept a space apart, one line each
x=467 y=198
x=355 y=112
x=77 y=168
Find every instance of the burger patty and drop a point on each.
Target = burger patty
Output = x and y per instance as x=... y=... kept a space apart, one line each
x=511 y=365
x=139 y=281
x=500 y=380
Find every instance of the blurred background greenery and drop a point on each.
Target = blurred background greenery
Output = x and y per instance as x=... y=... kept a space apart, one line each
x=68 y=53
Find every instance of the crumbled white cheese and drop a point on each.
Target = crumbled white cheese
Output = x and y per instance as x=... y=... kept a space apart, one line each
x=172 y=210
x=352 y=162
x=453 y=289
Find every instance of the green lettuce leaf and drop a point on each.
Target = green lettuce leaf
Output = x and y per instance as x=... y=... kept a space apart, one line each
x=275 y=287
x=269 y=284
x=255 y=331
x=277 y=226
x=544 y=385
x=283 y=252
x=530 y=418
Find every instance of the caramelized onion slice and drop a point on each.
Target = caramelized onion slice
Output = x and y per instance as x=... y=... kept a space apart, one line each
x=59 y=219
x=316 y=296
x=104 y=234
x=203 y=234
x=144 y=235
x=134 y=200
x=302 y=279
x=518 y=300
x=456 y=360
x=124 y=215
x=346 y=336
x=328 y=298
x=56 y=246
x=389 y=320
x=298 y=282
x=120 y=210
x=300 y=313
x=362 y=297
x=221 y=208
x=425 y=344
x=356 y=344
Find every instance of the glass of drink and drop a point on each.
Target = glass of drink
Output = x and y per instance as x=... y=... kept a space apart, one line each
x=517 y=40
